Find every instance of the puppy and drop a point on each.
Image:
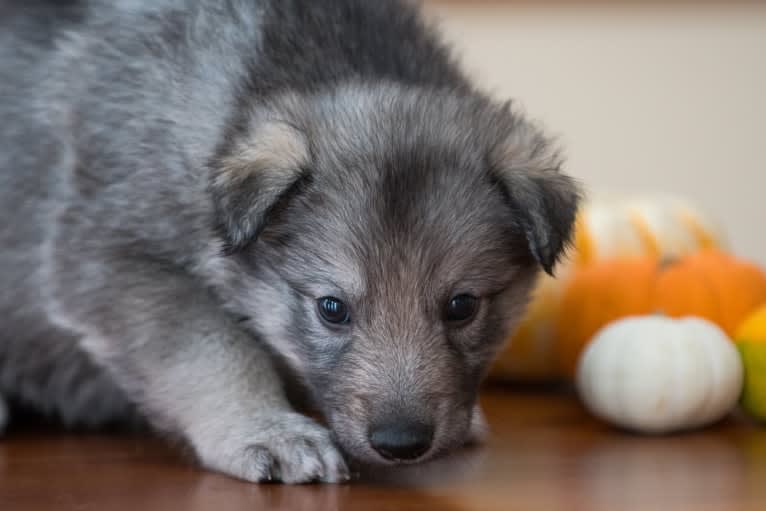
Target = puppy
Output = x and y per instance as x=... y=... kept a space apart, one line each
x=207 y=202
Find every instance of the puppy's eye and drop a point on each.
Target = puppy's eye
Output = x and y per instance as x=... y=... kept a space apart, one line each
x=461 y=308
x=333 y=310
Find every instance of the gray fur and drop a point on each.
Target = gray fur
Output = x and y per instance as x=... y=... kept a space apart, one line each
x=181 y=180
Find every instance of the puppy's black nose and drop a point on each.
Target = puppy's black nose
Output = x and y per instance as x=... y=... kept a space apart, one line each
x=401 y=440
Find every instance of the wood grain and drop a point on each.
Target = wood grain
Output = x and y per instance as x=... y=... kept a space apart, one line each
x=545 y=453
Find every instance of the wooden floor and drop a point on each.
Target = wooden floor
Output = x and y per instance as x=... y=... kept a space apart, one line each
x=545 y=453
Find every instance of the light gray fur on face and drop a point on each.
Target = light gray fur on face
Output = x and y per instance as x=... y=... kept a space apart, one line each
x=180 y=180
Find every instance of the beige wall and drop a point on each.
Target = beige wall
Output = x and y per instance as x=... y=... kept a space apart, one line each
x=645 y=98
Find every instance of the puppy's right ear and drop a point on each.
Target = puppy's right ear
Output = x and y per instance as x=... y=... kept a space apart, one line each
x=254 y=177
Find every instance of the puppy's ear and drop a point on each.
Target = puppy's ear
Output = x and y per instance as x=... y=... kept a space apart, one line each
x=543 y=200
x=253 y=178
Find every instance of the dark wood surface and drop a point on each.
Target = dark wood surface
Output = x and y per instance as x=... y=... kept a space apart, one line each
x=545 y=453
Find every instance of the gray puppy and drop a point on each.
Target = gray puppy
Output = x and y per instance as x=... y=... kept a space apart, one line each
x=206 y=201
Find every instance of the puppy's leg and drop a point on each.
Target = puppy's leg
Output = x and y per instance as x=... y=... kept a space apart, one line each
x=193 y=371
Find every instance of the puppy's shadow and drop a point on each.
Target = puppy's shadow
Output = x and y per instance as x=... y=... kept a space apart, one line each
x=463 y=465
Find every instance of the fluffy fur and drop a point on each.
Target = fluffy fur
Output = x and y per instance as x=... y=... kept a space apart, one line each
x=181 y=180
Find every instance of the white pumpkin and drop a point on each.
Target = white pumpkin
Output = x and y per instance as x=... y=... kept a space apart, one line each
x=664 y=226
x=655 y=374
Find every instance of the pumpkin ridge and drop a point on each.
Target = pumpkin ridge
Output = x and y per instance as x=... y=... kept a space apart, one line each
x=703 y=239
x=649 y=241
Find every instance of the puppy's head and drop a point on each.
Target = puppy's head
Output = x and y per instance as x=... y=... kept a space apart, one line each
x=386 y=241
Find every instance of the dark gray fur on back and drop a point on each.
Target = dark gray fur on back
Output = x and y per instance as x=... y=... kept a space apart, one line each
x=180 y=180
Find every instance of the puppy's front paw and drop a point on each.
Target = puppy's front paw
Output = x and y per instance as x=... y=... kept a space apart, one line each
x=285 y=447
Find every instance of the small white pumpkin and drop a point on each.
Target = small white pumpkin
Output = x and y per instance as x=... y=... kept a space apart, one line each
x=655 y=374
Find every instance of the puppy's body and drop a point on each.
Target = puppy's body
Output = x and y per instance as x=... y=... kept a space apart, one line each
x=182 y=181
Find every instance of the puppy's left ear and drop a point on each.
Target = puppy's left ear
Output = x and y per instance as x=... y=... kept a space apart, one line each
x=543 y=200
x=254 y=177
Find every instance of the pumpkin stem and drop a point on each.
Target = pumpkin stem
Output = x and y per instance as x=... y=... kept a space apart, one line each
x=667 y=261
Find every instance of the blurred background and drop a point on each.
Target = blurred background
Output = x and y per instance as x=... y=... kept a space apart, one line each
x=646 y=96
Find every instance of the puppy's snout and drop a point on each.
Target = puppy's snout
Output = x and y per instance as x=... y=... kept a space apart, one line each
x=401 y=440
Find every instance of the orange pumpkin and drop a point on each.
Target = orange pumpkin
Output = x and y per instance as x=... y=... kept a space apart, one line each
x=597 y=295
x=712 y=285
x=709 y=284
